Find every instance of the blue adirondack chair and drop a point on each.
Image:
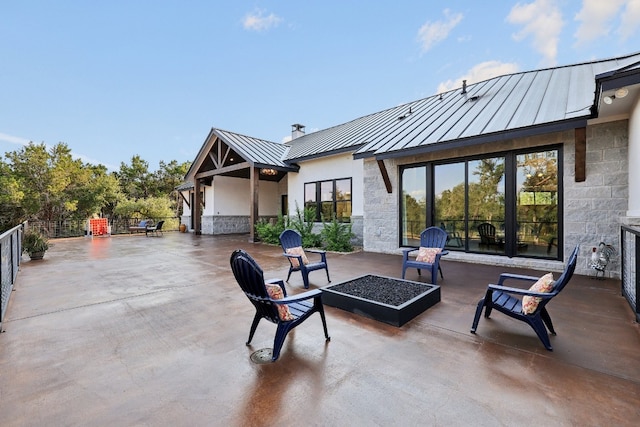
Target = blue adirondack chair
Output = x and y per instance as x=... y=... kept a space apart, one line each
x=250 y=277
x=291 y=239
x=432 y=237
x=502 y=299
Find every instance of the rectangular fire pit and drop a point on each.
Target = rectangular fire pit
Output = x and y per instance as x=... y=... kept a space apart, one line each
x=386 y=299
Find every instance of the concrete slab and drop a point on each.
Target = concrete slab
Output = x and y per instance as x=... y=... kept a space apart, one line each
x=129 y=330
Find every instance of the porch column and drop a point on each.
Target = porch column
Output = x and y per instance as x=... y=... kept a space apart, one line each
x=196 y=209
x=254 y=180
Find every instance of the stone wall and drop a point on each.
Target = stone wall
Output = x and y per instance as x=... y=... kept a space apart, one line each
x=593 y=210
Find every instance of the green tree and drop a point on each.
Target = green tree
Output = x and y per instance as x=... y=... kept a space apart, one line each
x=11 y=211
x=150 y=207
x=135 y=179
x=57 y=187
x=167 y=178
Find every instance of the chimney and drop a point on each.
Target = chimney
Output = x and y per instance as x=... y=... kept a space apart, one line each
x=464 y=87
x=297 y=130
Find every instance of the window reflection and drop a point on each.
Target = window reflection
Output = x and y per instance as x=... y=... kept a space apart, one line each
x=472 y=205
x=486 y=205
x=537 y=202
x=450 y=195
x=414 y=205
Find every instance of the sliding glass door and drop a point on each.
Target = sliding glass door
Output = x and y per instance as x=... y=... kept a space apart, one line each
x=503 y=205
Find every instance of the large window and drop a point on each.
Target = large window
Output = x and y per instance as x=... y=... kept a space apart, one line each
x=537 y=201
x=329 y=199
x=506 y=204
x=414 y=205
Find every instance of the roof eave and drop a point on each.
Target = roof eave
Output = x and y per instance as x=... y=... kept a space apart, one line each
x=320 y=155
x=483 y=139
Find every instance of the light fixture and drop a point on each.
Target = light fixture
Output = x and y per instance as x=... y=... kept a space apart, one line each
x=268 y=171
x=619 y=93
x=622 y=92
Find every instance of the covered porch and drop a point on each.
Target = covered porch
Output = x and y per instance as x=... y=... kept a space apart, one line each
x=133 y=331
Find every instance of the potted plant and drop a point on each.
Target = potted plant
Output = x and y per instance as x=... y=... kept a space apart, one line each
x=35 y=244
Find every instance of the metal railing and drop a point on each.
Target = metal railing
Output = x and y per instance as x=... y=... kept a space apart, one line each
x=78 y=228
x=630 y=260
x=11 y=253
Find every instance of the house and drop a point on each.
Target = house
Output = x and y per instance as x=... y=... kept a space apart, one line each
x=544 y=159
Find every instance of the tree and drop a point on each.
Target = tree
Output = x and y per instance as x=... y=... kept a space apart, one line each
x=167 y=178
x=135 y=179
x=11 y=212
x=58 y=187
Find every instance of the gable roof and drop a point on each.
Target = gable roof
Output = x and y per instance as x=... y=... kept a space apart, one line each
x=509 y=106
x=258 y=153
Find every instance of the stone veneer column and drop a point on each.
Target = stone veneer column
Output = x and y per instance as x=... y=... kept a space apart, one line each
x=593 y=209
x=380 y=225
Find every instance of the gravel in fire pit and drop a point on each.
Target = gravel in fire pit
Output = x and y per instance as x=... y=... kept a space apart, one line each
x=376 y=288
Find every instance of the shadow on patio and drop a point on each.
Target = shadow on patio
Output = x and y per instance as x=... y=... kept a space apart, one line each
x=130 y=330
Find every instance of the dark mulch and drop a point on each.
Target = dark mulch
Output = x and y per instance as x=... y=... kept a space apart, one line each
x=381 y=289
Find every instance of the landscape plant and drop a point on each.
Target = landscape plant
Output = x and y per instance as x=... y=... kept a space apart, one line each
x=336 y=236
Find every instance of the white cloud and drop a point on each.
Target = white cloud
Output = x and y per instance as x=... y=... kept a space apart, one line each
x=541 y=20
x=259 y=21
x=595 y=19
x=431 y=33
x=13 y=139
x=630 y=19
x=480 y=72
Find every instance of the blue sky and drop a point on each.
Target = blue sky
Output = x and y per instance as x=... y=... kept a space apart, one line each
x=151 y=77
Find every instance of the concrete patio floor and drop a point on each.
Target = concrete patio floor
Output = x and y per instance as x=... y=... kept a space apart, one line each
x=130 y=330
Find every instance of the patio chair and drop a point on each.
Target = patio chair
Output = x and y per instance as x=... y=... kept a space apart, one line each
x=453 y=238
x=271 y=302
x=432 y=242
x=142 y=226
x=154 y=229
x=291 y=242
x=487 y=233
x=532 y=307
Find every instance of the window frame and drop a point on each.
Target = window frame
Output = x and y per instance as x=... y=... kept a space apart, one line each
x=318 y=202
x=510 y=188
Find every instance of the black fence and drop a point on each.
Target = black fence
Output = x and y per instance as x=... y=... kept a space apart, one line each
x=77 y=228
x=11 y=253
x=630 y=260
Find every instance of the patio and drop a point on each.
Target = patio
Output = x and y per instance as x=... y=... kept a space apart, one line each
x=130 y=330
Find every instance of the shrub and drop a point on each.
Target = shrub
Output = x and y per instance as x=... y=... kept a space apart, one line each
x=270 y=233
x=303 y=222
x=34 y=241
x=337 y=236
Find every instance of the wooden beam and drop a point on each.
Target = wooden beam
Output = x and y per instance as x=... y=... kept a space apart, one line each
x=385 y=176
x=184 y=198
x=232 y=168
x=254 y=180
x=581 y=154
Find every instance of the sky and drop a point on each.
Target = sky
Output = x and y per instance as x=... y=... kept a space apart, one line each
x=115 y=79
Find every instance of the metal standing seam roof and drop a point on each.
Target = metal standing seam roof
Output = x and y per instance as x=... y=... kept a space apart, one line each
x=503 y=107
x=258 y=152
x=507 y=106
